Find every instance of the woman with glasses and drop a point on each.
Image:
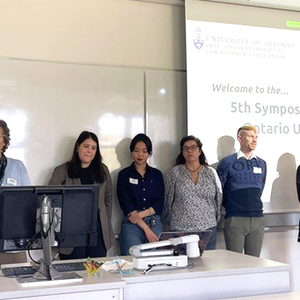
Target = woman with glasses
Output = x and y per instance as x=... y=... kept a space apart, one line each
x=12 y=171
x=140 y=192
x=193 y=194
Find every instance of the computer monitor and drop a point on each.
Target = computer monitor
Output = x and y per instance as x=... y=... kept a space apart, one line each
x=75 y=212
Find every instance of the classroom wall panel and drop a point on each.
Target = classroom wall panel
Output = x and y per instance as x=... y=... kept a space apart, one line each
x=47 y=105
x=166 y=115
x=107 y=32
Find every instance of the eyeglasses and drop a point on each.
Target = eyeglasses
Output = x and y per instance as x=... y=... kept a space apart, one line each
x=192 y=148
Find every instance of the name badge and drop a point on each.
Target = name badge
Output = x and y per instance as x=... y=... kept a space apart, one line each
x=257 y=170
x=11 y=181
x=133 y=181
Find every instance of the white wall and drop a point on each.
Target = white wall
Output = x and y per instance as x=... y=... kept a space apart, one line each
x=106 y=32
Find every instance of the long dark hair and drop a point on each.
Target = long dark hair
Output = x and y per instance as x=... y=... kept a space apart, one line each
x=180 y=160
x=97 y=169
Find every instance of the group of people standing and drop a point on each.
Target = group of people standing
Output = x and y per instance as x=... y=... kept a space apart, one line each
x=188 y=198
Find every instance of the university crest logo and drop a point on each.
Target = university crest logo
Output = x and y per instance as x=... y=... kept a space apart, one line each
x=198 y=42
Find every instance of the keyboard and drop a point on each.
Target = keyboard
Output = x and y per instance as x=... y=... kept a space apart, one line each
x=30 y=270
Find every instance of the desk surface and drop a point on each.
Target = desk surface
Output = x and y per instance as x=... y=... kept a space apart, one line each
x=213 y=264
x=9 y=287
x=217 y=274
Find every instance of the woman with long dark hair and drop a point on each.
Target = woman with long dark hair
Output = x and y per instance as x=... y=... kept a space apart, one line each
x=140 y=191
x=193 y=193
x=86 y=167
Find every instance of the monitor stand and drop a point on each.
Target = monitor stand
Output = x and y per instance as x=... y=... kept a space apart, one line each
x=40 y=274
x=46 y=275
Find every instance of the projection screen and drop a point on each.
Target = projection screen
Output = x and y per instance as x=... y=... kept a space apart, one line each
x=243 y=67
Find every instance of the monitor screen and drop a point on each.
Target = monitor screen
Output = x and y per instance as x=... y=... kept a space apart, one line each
x=75 y=209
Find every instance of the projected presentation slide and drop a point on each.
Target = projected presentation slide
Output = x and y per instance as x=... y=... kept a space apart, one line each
x=239 y=75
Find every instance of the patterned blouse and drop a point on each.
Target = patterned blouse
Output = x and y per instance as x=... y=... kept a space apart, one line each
x=190 y=206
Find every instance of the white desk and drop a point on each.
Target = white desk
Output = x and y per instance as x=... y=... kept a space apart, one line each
x=109 y=286
x=218 y=274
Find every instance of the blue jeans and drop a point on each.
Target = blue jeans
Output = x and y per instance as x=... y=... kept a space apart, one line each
x=131 y=234
x=213 y=239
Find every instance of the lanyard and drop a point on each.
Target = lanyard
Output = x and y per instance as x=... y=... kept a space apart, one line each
x=3 y=164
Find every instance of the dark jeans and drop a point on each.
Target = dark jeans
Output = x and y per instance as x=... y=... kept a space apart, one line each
x=131 y=234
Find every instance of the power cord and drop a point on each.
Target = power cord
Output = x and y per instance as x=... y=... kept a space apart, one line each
x=165 y=267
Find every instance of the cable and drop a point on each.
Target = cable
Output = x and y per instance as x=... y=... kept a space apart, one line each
x=29 y=245
x=166 y=267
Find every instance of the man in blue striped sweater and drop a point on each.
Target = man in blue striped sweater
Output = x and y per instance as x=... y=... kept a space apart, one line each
x=243 y=177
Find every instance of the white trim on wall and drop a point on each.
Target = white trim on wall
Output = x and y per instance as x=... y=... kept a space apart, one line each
x=168 y=2
x=278 y=4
